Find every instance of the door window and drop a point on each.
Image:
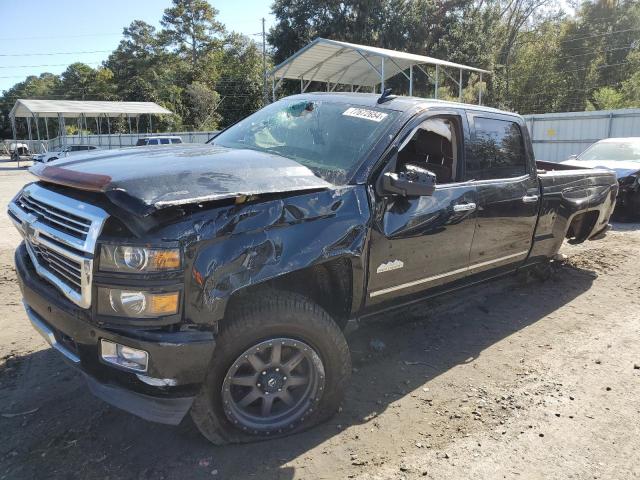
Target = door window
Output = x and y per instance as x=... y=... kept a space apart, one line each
x=433 y=145
x=498 y=150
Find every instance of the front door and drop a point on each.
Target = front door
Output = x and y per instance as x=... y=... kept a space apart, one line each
x=423 y=242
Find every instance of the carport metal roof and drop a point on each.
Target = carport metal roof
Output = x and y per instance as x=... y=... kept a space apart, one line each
x=341 y=63
x=25 y=108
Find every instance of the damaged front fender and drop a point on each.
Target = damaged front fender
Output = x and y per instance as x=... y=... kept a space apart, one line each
x=239 y=246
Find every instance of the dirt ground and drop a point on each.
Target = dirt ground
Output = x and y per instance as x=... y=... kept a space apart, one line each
x=509 y=380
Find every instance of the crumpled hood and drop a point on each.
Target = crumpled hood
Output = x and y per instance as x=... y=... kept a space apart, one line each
x=158 y=177
x=622 y=168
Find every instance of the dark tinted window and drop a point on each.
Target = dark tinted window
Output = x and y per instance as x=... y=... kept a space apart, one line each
x=176 y=140
x=164 y=141
x=498 y=150
x=153 y=141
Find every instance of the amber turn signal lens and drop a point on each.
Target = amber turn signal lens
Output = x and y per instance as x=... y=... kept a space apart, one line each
x=166 y=260
x=163 y=303
x=136 y=303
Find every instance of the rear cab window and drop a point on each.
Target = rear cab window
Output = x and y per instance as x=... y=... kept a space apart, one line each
x=497 y=150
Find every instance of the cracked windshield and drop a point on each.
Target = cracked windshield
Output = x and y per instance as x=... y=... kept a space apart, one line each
x=319 y=135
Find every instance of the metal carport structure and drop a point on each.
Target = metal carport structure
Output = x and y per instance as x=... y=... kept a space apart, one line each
x=34 y=110
x=341 y=63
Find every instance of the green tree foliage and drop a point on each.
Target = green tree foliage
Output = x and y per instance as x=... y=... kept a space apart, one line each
x=191 y=27
x=542 y=58
x=203 y=103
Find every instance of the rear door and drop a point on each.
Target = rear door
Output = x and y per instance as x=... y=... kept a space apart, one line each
x=418 y=243
x=508 y=192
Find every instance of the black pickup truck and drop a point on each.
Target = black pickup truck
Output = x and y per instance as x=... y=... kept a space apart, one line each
x=218 y=278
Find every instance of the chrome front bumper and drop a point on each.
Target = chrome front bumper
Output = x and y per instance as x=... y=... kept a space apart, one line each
x=49 y=336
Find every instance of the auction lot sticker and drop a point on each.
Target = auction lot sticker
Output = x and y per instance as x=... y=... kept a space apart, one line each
x=372 y=115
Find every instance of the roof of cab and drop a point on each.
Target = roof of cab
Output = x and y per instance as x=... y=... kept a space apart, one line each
x=400 y=103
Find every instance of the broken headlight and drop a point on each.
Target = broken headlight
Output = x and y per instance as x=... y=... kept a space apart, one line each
x=134 y=259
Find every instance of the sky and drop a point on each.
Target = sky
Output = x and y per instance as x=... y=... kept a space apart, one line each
x=47 y=35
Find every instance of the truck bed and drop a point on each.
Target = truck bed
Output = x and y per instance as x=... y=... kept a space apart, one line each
x=576 y=205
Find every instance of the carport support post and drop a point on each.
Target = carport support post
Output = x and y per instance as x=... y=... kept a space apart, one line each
x=15 y=137
x=435 y=93
x=480 y=91
x=273 y=88
x=382 y=76
x=99 y=132
x=36 y=119
x=109 y=129
x=29 y=130
x=150 y=125
x=410 y=80
x=460 y=87
x=61 y=131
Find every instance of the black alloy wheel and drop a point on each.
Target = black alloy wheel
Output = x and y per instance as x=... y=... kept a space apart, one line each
x=273 y=385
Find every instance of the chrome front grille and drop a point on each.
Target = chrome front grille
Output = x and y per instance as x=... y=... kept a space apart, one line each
x=59 y=219
x=61 y=265
x=60 y=234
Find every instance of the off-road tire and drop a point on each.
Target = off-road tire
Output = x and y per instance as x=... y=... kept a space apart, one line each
x=273 y=314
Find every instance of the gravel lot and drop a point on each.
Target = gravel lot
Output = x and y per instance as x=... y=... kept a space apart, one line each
x=517 y=379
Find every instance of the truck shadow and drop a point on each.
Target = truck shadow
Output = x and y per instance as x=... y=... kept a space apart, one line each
x=63 y=432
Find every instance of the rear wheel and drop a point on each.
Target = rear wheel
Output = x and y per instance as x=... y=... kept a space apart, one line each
x=280 y=366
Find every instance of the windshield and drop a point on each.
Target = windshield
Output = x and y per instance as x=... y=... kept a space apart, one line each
x=328 y=138
x=623 y=150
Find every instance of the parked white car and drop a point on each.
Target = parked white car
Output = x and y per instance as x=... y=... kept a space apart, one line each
x=621 y=155
x=62 y=153
x=159 y=140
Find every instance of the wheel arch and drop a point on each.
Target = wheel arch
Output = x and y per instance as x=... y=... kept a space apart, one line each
x=329 y=284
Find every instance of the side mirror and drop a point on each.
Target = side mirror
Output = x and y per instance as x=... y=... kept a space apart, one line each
x=573 y=157
x=413 y=181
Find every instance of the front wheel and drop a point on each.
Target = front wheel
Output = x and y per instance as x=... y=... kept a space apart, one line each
x=281 y=365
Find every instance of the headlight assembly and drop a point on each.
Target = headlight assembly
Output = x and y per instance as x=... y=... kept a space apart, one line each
x=117 y=302
x=133 y=259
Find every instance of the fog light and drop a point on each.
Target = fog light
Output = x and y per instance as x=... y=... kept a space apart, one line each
x=123 y=356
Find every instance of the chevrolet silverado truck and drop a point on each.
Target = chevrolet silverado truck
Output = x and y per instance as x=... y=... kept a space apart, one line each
x=217 y=279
